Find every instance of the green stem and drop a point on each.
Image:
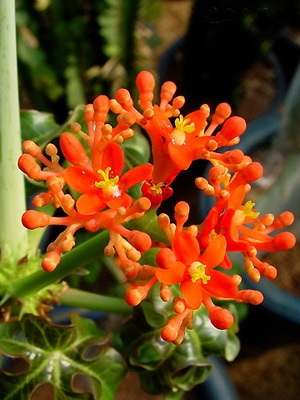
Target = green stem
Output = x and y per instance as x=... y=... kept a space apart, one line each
x=96 y=302
x=89 y=251
x=13 y=236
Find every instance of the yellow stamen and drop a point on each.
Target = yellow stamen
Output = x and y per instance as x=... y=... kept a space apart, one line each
x=156 y=188
x=197 y=271
x=181 y=124
x=182 y=127
x=248 y=210
x=108 y=185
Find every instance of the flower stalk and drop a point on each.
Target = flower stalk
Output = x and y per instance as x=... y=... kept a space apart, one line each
x=95 y=302
x=89 y=251
x=13 y=236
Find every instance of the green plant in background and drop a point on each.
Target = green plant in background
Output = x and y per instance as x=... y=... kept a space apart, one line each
x=226 y=39
x=68 y=52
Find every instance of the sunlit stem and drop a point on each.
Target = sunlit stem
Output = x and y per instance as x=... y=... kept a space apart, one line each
x=95 y=302
x=13 y=236
x=89 y=251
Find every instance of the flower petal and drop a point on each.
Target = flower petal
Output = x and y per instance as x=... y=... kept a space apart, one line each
x=113 y=157
x=121 y=201
x=181 y=156
x=186 y=247
x=192 y=293
x=221 y=285
x=136 y=175
x=172 y=275
x=80 y=179
x=89 y=203
x=215 y=252
x=198 y=118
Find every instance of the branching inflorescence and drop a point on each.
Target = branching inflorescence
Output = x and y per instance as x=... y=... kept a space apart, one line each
x=92 y=189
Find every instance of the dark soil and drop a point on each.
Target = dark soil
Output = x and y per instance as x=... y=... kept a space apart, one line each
x=288 y=267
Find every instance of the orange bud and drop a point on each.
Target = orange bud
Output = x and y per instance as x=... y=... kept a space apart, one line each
x=179 y=305
x=165 y=257
x=211 y=145
x=284 y=219
x=92 y=225
x=221 y=113
x=51 y=261
x=178 y=102
x=72 y=149
x=235 y=156
x=221 y=318
x=163 y=221
x=88 y=113
x=254 y=274
x=232 y=128
x=168 y=90
x=134 y=296
x=170 y=331
x=31 y=148
x=267 y=219
x=250 y=173
x=182 y=210
x=140 y=240
x=165 y=293
x=145 y=83
x=270 y=272
x=101 y=107
x=41 y=199
x=55 y=184
x=29 y=166
x=215 y=173
x=251 y=296
x=201 y=183
x=115 y=106
x=32 y=219
x=126 y=119
x=131 y=269
x=284 y=241
x=124 y=98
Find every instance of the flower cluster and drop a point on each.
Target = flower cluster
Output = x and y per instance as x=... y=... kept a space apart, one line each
x=91 y=186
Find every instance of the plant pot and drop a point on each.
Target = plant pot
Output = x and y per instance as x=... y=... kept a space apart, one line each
x=218 y=385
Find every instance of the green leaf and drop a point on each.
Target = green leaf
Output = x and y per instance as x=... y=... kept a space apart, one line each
x=63 y=361
x=137 y=150
x=167 y=368
x=41 y=127
x=222 y=343
x=37 y=126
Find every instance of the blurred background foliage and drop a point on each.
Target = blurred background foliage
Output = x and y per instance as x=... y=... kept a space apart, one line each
x=70 y=51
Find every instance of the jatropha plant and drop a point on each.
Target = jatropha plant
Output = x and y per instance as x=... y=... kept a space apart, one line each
x=179 y=277
x=174 y=286
x=93 y=189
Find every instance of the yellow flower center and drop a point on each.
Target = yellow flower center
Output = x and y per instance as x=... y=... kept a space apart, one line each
x=182 y=127
x=108 y=185
x=248 y=210
x=156 y=188
x=197 y=271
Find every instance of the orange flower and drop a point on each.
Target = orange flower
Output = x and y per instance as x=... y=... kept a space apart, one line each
x=105 y=187
x=237 y=220
x=194 y=268
x=195 y=271
x=96 y=173
x=175 y=146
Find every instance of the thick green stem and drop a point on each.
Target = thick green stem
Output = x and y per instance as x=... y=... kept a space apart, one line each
x=80 y=256
x=13 y=236
x=96 y=302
